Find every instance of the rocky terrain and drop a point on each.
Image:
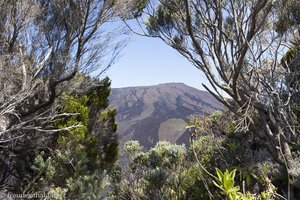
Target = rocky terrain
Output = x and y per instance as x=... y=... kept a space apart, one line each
x=158 y=112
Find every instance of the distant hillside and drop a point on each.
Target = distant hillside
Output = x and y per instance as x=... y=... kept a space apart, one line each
x=153 y=113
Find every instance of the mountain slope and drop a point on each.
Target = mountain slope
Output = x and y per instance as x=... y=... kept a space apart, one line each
x=158 y=112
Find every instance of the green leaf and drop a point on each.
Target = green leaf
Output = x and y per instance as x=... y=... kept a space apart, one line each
x=232 y=174
x=228 y=184
x=232 y=196
x=219 y=186
x=220 y=175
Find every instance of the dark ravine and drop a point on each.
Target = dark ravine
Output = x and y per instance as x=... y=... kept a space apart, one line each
x=152 y=113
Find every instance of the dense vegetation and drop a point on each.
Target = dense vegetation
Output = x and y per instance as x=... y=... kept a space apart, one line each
x=58 y=137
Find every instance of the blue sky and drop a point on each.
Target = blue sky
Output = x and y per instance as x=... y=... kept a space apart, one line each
x=148 y=61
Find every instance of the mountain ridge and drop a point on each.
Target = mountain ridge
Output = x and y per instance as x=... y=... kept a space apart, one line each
x=158 y=112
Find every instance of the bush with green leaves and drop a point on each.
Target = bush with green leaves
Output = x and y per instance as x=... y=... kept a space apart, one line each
x=81 y=159
x=155 y=174
x=226 y=184
x=170 y=171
